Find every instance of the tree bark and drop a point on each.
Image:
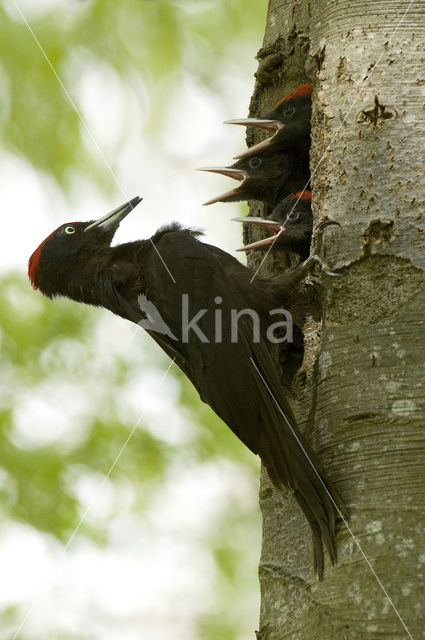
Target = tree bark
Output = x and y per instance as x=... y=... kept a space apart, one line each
x=359 y=395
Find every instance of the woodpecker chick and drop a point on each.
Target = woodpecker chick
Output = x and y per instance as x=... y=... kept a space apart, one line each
x=289 y=121
x=290 y=222
x=268 y=177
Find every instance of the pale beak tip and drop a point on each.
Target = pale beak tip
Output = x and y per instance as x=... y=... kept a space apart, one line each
x=244 y=154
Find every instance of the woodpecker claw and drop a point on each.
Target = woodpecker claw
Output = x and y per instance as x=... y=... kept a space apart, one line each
x=314 y=260
x=326 y=223
x=319 y=231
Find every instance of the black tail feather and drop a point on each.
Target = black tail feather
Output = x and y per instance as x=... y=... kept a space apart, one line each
x=322 y=524
x=316 y=496
x=320 y=503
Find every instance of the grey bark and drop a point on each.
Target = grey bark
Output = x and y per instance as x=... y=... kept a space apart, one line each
x=359 y=395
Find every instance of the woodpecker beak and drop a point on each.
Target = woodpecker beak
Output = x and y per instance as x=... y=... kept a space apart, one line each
x=270 y=225
x=269 y=125
x=266 y=224
x=113 y=218
x=236 y=174
x=260 y=146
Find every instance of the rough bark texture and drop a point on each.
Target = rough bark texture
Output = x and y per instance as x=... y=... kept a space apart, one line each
x=360 y=393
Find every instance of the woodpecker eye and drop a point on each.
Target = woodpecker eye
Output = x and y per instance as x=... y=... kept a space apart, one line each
x=293 y=215
x=69 y=230
x=289 y=111
x=254 y=163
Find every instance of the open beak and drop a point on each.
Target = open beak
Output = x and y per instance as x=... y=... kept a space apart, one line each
x=270 y=225
x=260 y=146
x=236 y=174
x=270 y=125
x=113 y=218
x=277 y=228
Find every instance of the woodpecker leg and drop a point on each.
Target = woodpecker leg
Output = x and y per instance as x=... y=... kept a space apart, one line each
x=290 y=279
x=315 y=259
x=308 y=265
x=319 y=232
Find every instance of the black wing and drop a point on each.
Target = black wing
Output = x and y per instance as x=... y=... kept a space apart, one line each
x=238 y=379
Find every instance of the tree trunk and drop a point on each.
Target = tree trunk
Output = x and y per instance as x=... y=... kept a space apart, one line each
x=359 y=395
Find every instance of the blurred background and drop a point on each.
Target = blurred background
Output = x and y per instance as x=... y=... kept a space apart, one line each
x=167 y=545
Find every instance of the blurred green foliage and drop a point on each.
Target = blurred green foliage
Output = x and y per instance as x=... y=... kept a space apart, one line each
x=31 y=326
x=149 y=44
x=37 y=482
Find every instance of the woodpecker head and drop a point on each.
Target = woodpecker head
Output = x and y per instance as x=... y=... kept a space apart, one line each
x=289 y=122
x=59 y=265
x=290 y=223
x=262 y=176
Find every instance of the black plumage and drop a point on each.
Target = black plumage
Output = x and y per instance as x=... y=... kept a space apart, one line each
x=238 y=379
x=289 y=122
x=268 y=176
x=290 y=223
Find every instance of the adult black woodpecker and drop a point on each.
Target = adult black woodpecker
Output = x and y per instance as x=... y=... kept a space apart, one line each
x=289 y=121
x=173 y=276
x=267 y=176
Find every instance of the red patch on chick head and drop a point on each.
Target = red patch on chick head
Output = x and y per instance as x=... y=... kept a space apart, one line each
x=303 y=90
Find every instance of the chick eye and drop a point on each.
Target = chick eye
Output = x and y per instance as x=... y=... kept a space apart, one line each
x=254 y=163
x=293 y=215
x=289 y=111
x=69 y=230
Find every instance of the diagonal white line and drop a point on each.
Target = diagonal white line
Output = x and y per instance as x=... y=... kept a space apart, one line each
x=81 y=117
x=71 y=101
x=333 y=501
x=91 y=503
x=162 y=260
x=113 y=465
x=272 y=244
x=365 y=83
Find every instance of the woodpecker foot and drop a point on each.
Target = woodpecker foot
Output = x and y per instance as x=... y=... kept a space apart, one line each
x=314 y=260
x=319 y=231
